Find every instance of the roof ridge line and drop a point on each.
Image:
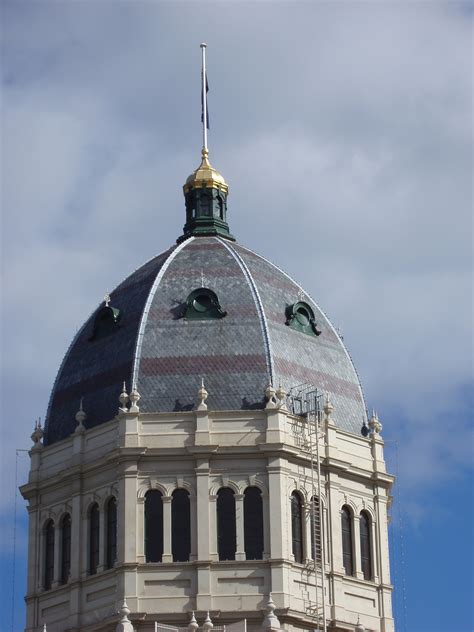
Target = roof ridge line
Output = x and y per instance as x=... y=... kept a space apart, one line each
x=258 y=305
x=146 y=309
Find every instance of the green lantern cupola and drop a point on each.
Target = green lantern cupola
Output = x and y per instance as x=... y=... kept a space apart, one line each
x=205 y=193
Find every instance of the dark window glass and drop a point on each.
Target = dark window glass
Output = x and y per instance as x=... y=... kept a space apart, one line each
x=49 y=555
x=153 y=526
x=111 y=533
x=346 y=526
x=65 y=548
x=365 y=545
x=253 y=524
x=180 y=526
x=226 y=535
x=297 y=527
x=316 y=529
x=94 y=538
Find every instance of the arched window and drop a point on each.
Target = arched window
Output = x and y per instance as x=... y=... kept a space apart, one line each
x=180 y=526
x=297 y=527
x=48 y=554
x=347 y=547
x=65 y=548
x=94 y=538
x=316 y=529
x=153 y=526
x=226 y=535
x=111 y=533
x=253 y=524
x=365 y=545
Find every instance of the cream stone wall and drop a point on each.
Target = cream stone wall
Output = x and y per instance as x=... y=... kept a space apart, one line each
x=202 y=451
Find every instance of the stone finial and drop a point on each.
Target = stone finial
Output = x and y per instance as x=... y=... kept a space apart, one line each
x=37 y=435
x=328 y=409
x=359 y=627
x=207 y=625
x=124 y=399
x=106 y=299
x=193 y=624
x=271 y=621
x=280 y=394
x=374 y=424
x=124 y=625
x=80 y=418
x=270 y=395
x=134 y=399
x=202 y=396
x=44 y=628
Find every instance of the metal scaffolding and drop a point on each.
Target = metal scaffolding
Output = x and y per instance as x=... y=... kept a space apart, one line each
x=306 y=402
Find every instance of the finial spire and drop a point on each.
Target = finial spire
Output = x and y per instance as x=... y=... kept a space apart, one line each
x=204 y=91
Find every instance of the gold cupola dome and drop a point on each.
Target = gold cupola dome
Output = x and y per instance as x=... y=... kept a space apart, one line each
x=206 y=177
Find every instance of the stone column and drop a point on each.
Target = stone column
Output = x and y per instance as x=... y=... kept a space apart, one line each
x=141 y=530
x=239 y=527
x=167 y=554
x=127 y=512
x=202 y=490
x=203 y=596
x=214 y=555
x=356 y=552
x=278 y=512
x=266 y=526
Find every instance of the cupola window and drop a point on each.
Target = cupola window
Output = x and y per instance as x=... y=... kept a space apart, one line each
x=48 y=555
x=65 y=548
x=111 y=533
x=253 y=524
x=226 y=531
x=297 y=527
x=347 y=541
x=153 y=526
x=365 y=545
x=181 y=526
x=203 y=304
x=94 y=538
x=300 y=316
x=107 y=321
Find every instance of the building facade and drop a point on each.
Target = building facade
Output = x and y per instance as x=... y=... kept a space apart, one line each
x=207 y=450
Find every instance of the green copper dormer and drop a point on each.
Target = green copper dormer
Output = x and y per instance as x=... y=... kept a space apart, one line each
x=205 y=194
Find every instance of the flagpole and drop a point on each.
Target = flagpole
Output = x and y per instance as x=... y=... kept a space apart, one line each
x=204 y=98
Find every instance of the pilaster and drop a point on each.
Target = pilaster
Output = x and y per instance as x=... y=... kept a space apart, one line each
x=167 y=552
x=239 y=518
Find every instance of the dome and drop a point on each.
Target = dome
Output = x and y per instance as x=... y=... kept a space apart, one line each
x=205 y=176
x=206 y=308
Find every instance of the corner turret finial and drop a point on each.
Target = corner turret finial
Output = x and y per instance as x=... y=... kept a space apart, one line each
x=80 y=418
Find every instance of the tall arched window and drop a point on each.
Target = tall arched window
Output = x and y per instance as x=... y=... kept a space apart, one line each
x=180 y=526
x=65 y=548
x=347 y=544
x=111 y=533
x=226 y=535
x=297 y=527
x=365 y=545
x=316 y=529
x=253 y=524
x=94 y=538
x=153 y=526
x=48 y=554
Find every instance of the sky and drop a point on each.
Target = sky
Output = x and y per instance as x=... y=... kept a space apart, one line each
x=344 y=130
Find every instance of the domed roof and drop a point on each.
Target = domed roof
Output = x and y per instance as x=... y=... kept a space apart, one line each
x=206 y=308
x=205 y=176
